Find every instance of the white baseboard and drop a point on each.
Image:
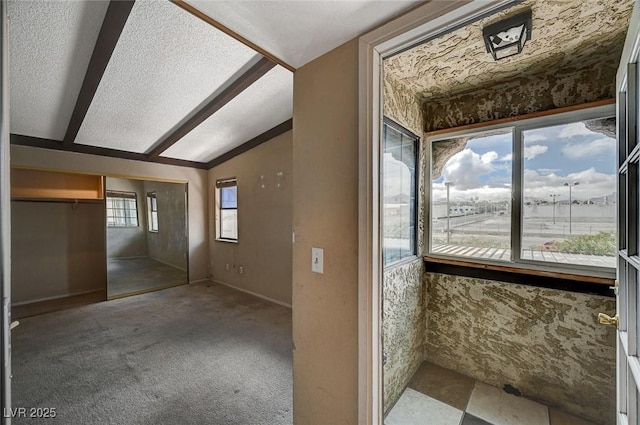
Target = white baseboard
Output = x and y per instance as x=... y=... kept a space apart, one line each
x=57 y=297
x=252 y=293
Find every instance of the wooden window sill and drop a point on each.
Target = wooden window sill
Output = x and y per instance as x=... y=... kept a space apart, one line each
x=508 y=273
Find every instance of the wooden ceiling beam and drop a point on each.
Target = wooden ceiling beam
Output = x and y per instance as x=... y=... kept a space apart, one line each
x=256 y=141
x=36 y=142
x=254 y=73
x=208 y=19
x=114 y=21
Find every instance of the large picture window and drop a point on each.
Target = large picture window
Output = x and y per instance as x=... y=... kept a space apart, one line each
x=399 y=193
x=538 y=192
x=227 y=217
x=122 y=209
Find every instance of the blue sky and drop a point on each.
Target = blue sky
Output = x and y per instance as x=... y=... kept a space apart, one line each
x=553 y=156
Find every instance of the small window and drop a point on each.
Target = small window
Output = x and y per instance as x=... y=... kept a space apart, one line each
x=227 y=199
x=122 y=209
x=399 y=193
x=152 y=208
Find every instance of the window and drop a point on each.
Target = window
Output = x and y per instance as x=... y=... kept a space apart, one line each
x=399 y=193
x=538 y=192
x=227 y=218
x=122 y=209
x=152 y=209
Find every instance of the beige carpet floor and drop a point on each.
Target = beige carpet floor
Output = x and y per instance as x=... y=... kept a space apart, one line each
x=194 y=354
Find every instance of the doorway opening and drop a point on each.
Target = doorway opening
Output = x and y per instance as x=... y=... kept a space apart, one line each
x=488 y=321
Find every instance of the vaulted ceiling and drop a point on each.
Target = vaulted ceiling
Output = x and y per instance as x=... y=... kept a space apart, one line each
x=180 y=83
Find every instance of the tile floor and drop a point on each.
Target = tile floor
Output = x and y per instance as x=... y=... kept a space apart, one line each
x=438 y=396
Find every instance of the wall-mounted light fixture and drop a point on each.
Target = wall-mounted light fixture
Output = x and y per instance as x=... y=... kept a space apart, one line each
x=507 y=38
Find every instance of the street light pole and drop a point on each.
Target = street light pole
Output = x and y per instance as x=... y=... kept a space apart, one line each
x=554 y=207
x=570 y=202
x=447 y=184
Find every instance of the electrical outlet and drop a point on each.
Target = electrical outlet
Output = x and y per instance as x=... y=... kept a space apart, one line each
x=227 y=267
x=241 y=269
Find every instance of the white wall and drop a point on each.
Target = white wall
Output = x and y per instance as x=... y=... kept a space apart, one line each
x=91 y=164
x=264 y=221
x=325 y=215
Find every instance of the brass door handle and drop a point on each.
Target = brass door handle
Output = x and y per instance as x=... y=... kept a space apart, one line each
x=605 y=319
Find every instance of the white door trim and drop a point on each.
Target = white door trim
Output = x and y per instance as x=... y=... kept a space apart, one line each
x=5 y=223
x=424 y=22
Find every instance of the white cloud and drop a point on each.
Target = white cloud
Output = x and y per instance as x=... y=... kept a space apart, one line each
x=546 y=171
x=465 y=168
x=594 y=148
x=489 y=157
x=592 y=184
x=535 y=137
x=532 y=151
x=574 y=129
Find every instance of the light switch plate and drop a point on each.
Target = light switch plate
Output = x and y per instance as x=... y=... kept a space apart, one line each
x=317 y=260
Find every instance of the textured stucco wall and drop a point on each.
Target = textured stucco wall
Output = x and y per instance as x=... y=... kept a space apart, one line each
x=403 y=327
x=567 y=81
x=546 y=343
x=403 y=289
x=572 y=58
x=402 y=106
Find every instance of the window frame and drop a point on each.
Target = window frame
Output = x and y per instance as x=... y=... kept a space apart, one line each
x=220 y=183
x=518 y=125
x=121 y=194
x=151 y=211
x=416 y=186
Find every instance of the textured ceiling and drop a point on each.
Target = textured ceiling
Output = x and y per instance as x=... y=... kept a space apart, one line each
x=299 y=31
x=563 y=30
x=48 y=61
x=168 y=64
x=165 y=69
x=265 y=104
x=165 y=65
